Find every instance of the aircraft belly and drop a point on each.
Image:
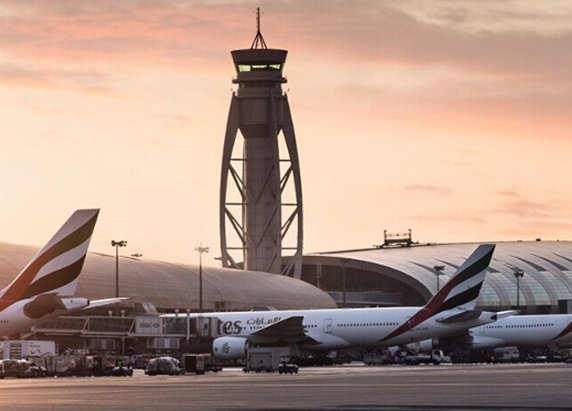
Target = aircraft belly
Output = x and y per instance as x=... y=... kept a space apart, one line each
x=326 y=342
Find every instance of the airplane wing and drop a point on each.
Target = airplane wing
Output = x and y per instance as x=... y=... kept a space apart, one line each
x=104 y=302
x=287 y=331
x=52 y=304
x=463 y=316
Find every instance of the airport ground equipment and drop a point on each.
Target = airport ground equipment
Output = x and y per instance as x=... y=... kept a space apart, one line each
x=287 y=367
x=122 y=368
x=254 y=182
x=375 y=358
x=18 y=349
x=435 y=357
x=164 y=366
x=506 y=354
x=195 y=363
x=266 y=358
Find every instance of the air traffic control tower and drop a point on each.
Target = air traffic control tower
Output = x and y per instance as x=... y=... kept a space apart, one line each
x=257 y=224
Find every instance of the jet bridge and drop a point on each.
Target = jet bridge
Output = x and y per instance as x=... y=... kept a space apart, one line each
x=143 y=333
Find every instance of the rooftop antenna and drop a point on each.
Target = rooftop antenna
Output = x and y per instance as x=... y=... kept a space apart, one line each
x=258 y=42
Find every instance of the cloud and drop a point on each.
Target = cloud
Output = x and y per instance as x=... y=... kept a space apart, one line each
x=87 y=81
x=513 y=202
x=392 y=33
x=556 y=230
x=526 y=214
x=426 y=188
x=523 y=208
x=159 y=33
x=448 y=218
x=363 y=30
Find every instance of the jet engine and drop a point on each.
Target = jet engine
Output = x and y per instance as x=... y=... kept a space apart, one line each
x=425 y=345
x=483 y=342
x=230 y=348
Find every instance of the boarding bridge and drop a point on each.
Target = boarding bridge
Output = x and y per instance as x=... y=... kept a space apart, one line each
x=101 y=333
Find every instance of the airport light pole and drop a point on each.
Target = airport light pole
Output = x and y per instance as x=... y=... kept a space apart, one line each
x=201 y=250
x=117 y=244
x=344 y=263
x=438 y=269
x=518 y=274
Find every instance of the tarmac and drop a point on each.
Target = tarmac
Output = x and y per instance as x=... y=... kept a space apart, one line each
x=352 y=387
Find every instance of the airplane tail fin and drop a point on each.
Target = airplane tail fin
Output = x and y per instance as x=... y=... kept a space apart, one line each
x=56 y=267
x=460 y=292
x=463 y=288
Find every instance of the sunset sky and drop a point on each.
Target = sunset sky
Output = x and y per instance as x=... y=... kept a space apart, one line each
x=452 y=118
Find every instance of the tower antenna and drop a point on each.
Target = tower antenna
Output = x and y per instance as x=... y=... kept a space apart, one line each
x=258 y=42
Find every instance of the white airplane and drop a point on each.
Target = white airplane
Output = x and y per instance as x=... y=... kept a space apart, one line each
x=515 y=330
x=525 y=331
x=451 y=310
x=44 y=289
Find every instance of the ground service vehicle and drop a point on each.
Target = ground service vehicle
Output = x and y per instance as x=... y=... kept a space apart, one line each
x=375 y=358
x=506 y=354
x=122 y=369
x=16 y=368
x=164 y=366
x=436 y=357
x=195 y=363
x=17 y=349
x=287 y=367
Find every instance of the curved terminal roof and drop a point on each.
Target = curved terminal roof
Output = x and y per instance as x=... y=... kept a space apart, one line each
x=171 y=286
x=547 y=268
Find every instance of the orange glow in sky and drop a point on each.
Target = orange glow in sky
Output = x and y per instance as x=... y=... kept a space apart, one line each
x=453 y=119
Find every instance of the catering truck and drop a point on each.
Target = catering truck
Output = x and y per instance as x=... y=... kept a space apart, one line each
x=18 y=349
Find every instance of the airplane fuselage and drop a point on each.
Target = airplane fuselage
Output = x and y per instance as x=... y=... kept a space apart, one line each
x=13 y=319
x=524 y=331
x=339 y=328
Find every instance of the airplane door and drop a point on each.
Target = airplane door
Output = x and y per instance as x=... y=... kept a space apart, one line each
x=328 y=325
x=409 y=322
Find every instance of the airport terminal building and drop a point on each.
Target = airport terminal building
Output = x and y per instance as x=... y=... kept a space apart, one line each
x=156 y=286
x=540 y=272
x=378 y=276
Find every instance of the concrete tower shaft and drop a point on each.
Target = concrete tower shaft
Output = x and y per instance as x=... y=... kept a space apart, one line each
x=260 y=111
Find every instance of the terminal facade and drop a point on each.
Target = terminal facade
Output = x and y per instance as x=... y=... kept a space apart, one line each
x=534 y=277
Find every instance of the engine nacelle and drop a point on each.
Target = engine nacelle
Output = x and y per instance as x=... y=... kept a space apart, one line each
x=482 y=342
x=48 y=304
x=230 y=348
x=423 y=346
